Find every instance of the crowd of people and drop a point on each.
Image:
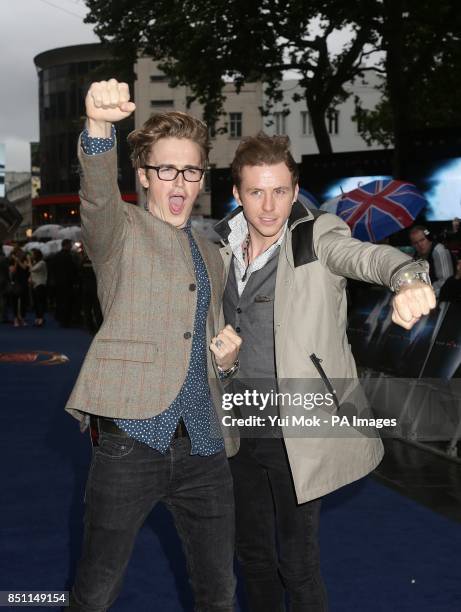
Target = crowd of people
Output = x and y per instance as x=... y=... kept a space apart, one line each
x=63 y=284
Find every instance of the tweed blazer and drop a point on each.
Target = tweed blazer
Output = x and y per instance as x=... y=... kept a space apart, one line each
x=139 y=359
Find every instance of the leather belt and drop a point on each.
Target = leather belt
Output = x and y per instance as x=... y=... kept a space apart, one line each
x=99 y=423
x=104 y=424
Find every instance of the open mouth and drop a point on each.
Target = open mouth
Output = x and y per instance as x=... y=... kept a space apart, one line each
x=176 y=203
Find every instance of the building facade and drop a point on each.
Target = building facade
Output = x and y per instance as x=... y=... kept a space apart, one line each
x=343 y=130
x=64 y=77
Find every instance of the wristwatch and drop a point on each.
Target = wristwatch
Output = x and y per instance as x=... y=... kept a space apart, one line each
x=408 y=278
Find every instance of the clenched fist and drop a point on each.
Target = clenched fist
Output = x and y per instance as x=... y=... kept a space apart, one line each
x=411 y=303
x=225 y=347
x=107 y=102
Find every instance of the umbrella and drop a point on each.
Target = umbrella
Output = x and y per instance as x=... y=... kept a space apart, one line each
x=51 y=247
x=306 y=198
x=380 y=208
x=47 y=231
x=73 y=232
x=331 y=206
x=35 y=245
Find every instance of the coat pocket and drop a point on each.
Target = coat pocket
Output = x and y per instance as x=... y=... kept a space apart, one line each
x=126 y=350
x=317 y=363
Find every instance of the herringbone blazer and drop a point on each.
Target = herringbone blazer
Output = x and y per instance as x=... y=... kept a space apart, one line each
x=138 y=360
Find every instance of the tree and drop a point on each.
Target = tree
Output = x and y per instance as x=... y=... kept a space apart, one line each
x=205 y=43
x=421 y=88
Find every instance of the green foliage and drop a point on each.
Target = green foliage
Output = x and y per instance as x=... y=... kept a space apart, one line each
x=422 y=88
x=205 y=43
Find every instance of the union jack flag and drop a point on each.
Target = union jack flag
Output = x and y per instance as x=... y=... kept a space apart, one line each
x=380 y=208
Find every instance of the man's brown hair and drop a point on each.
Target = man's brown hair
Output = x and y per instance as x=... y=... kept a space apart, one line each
x=262 y=150
x=173 y=124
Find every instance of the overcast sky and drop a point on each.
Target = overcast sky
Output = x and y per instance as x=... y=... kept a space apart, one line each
x=27 y=28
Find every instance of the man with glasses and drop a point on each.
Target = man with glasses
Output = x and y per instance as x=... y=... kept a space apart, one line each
x=143 y=387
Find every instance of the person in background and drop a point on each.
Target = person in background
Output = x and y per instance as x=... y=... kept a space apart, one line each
x=4 y=285
x=19 y=274
x=437 y=256
x=38 y=279
x=65 y=277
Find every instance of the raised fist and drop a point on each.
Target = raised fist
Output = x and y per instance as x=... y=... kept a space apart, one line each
x=108 y=101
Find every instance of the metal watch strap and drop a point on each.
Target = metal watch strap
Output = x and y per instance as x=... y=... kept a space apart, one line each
x=230 y=371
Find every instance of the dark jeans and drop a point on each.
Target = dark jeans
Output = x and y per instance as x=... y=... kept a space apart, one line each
x=126 y=479
x=277 y=539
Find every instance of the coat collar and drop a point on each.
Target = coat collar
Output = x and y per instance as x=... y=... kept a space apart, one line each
x=301 y=233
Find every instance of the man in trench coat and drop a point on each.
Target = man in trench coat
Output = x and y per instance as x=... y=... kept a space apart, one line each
x=285 y=295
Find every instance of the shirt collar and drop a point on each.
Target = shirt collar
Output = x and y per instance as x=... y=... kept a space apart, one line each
x=238 y=232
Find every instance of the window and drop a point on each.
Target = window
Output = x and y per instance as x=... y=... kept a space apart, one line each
x=235 y=125
x=360 y=115
x=306 y=125
x=332 y=121
x=280 y=123
x=157 y=78
x=161 y=103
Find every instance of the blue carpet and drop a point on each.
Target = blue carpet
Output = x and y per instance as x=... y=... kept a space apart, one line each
x=380 y=551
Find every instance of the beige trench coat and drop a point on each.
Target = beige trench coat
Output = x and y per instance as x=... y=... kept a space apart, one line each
x=310 y=316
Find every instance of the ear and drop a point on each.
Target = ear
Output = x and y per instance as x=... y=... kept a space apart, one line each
x=295 y=195
x=142 y=176
x=236 y=195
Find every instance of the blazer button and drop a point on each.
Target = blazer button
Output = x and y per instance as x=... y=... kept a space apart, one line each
x=237 y=329
x=239 y=310
x=192 y=287
x=187 y=335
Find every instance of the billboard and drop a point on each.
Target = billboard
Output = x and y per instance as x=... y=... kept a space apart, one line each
x=2 y=170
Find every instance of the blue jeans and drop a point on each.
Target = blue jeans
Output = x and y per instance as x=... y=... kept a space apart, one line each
x=126 y=479
x=277 y=539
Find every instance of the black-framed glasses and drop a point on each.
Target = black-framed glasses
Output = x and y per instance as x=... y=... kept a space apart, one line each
x=169 y=173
